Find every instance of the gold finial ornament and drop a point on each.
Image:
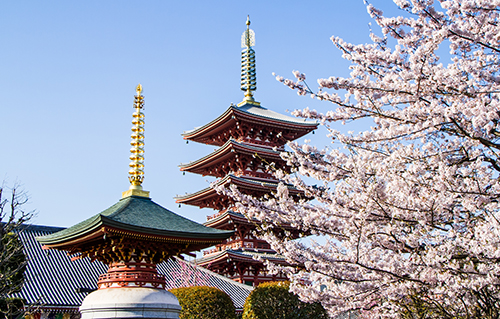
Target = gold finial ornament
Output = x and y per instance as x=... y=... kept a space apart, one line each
x=248 y=71
x=136 y=172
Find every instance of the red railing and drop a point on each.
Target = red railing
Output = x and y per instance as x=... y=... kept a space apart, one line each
x=132 y=275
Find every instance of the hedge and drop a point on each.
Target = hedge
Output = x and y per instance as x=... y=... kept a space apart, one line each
x=203 y=302
x=272 y=300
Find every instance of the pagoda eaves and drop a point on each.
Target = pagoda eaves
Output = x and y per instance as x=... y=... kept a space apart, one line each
x=209 y=197
x=249 y=120
x=137 y=222
x=241 y=264
x=237 y=158
x=244 y=254
x=227 y=219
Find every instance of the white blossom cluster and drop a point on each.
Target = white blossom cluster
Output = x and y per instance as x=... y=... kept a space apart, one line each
x=410 y=206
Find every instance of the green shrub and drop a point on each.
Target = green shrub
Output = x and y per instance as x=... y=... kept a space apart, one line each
x=272 y=300
x=202 y=302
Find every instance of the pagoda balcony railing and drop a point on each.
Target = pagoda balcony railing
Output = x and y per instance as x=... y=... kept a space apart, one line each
x=132 y=274
x=210 y=251
x=246 y=246
x=124 y=279
x=263 y=175
x=261 y=143
x=234 y=245
x=209 y=217
x=263 y=246
x=237 y=245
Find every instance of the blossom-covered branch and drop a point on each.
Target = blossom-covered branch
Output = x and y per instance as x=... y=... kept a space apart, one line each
x=409 y=209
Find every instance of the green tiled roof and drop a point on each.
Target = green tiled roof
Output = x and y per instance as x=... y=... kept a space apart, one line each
x=52 y=280
x=142 y=215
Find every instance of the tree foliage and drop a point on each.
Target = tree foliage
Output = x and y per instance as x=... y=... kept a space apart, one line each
x=272 y=300
x=410 y=206
x=203 y=302
x=12 y=257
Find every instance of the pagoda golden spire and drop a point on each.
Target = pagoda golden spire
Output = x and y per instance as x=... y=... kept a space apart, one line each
x=248 y=71
x=136 y=172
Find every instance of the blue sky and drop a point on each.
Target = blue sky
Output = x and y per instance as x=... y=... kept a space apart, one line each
x=69 y=71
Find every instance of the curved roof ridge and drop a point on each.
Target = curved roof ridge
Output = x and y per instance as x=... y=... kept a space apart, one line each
x=256 y=111
x=224 y=147
x=140 y=215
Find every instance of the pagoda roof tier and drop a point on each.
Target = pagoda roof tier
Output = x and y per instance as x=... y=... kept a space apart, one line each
x=249 y=120
x=226 y=220
x=229 y=219
x=133 y=225
x=209 y=197
x=234 y=156
x=247 y=255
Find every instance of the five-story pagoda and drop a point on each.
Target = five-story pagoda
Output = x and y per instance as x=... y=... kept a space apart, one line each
x=249 y=137
x=132 y=237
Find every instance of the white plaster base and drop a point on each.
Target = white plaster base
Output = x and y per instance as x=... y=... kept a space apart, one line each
x=136 y=302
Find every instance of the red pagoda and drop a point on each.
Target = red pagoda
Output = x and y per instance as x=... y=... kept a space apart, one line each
x=250 y=137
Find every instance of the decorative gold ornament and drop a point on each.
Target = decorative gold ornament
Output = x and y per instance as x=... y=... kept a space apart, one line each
x=248 y=70
x=136 y=172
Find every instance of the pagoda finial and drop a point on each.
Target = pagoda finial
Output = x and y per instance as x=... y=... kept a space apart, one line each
x=248 y=71
x=136 y=172
x=248 y=37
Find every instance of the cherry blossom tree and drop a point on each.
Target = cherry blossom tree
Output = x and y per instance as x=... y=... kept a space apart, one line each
x=407 y=211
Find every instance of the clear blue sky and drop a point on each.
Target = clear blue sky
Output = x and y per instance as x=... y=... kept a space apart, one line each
x=69 y=69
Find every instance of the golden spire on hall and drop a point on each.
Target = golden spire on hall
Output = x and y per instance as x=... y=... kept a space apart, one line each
x=136 y=172
x=248 y=71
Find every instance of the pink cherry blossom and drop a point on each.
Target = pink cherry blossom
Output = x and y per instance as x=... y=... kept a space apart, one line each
x=410 y=205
